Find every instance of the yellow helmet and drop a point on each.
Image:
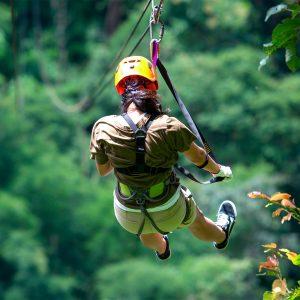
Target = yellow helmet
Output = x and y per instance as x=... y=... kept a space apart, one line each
x=135 y=66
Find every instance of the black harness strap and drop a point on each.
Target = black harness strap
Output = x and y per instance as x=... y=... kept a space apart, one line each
x=192 y=124
x=140 y=136
x=141 y=167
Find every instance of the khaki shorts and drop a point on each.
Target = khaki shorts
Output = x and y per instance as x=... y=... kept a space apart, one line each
x=181 y=214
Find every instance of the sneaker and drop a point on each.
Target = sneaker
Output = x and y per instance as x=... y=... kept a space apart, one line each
x=225 y=219
x=167 y=252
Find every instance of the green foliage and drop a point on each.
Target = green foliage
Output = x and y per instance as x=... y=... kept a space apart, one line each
x=280 y=290
x=197 y=278
x=139 y=279
x=58 y=235
x=285 y=35
x=295 y=294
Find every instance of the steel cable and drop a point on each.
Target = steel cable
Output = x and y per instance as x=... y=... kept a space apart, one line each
x=86 y=102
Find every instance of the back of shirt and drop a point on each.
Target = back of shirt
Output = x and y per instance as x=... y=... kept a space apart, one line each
x=112 y=139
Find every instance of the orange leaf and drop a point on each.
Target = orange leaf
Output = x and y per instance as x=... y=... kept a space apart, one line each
x=270 y=246
x=279 y=287
x=277 y=212
x=286 y=218
x=280 y=196
x=255 y=195
x=288 y=203
x=291 y=255
x=271 y=263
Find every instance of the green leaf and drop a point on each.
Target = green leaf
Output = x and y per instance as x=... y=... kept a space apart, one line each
x=268 y=296
x=275 y=10
x=272 y=273
x=269 y=48
x=291 y=58
x=295 y=295
x=295 y=9
x=296 y=260
x=284 y=32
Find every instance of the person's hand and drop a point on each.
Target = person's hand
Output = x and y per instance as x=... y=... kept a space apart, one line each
x=225 y=172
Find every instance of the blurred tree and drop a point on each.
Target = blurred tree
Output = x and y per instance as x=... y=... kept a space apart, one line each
x=59 y=238
x=208 y=277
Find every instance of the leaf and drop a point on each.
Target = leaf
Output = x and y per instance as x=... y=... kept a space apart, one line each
x=288 y=203
x=291 y=58
x=269 y=49
x=277 y=212
x=295 y=295
x=280 y=196
x=284 y=250
x=279 y=287
x=291 y=255
x=286 y=218
x=270 y=246
x=271 y=263
x=284 y=32
x=296 y=260
x=295 y=9
x=273 y=273
x=268 y=296
x=275 y=10
x=262 y=63
x=256 y=194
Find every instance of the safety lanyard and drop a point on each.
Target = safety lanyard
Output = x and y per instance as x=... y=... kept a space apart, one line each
x=154 y=51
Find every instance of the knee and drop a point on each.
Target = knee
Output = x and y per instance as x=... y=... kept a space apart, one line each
x=200 y=218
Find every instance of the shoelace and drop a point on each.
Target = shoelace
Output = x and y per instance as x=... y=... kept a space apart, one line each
x=223 y=220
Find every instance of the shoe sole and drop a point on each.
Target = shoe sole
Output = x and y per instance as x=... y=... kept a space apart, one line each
x=232 y=204
x=232 y=223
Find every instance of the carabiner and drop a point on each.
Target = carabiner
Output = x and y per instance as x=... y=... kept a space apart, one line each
x=161 y=30
x=154 y=51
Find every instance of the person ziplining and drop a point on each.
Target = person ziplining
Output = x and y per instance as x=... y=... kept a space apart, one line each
x=141 y=146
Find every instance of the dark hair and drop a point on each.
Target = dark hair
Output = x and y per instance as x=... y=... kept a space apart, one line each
x=147 y=101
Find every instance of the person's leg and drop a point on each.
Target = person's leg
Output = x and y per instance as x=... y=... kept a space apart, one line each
x=205 y=229
x=154 y=241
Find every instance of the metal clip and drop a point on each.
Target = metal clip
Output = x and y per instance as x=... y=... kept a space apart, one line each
x=156 y=14
x=155 y=19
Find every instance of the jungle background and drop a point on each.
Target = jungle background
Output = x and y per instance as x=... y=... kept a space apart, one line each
x=58 y=235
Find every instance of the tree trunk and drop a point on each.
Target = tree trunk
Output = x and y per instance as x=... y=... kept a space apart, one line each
x=113 y=16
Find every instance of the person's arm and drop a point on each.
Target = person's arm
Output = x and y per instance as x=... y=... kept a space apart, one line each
x=198 y=156
x=104 y=169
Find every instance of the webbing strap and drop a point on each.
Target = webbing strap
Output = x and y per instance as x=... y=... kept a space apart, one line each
x=188 y=117
x=192 y=124
x=140 y=136
x=140 y=166
x=146 y=214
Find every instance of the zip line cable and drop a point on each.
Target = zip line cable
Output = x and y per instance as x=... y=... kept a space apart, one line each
x=105 y=85
x=108 y=80
x=101 y=89
x=88 y=101
x=139 y=41
x=108 y=69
